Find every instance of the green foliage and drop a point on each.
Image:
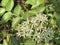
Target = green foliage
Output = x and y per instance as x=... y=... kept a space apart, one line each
x=9 y=5
x=4 y=2
x=37 y=10
x=2 y=10
x=5 y=42
x=14 y=41
x=15 y=22
x=35 y=3
x=17 y=10
x=29 y=42
x=29 y=22
x=6 y=17
x=57 y=15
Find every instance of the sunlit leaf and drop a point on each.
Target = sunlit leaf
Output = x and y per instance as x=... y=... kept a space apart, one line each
x=0 y=44
x=10 y=5
x=29 y=42
x=6 y=17
x=35 y=3
x=15 y=22
x=5 y=42
x=17 y=10
x=37 y=10
x=52 y=21
x=25 y=15
x=4 y=2
x=46 y=43
x=2 y=10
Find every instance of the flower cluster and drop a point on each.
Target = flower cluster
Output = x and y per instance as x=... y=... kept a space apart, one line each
x=35 y=27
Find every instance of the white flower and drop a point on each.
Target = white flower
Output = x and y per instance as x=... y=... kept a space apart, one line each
x=35 y=27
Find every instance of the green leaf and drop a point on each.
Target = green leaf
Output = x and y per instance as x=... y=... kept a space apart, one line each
x=33 y=12
x=57 y=16
x=15 y=22
x=57 y=8
x=10 y=5
x=37 y=10
x=41 y=43
x=14 y=41
x=21 y=40
x=46 y=43
x=5 y=42
x=2 y=10
x=6 y=17
x=4 y=2
x=29 y=42
x=25 y=15
x=17 y=10
x=54 y=1
x=35 y=3
x=0 y=44
x=52 y=21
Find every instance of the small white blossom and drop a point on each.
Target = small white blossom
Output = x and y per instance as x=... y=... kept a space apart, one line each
x=35 y=27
